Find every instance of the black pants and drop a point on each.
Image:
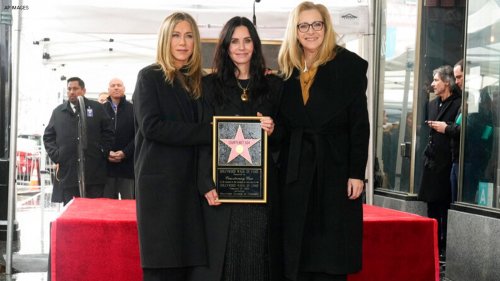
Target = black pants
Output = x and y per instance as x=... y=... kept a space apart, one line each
x=91 y=191
x=165 y=274
x=316 y=276
x=439 y=212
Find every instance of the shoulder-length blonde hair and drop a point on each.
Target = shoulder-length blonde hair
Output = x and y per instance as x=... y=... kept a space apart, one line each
x=190 y=76
x=291 y=53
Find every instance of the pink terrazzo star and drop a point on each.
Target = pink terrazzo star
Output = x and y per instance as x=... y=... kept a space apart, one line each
x=239 y=146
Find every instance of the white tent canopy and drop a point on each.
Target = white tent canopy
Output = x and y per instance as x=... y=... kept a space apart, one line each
x=81 y=31
x=133 y=17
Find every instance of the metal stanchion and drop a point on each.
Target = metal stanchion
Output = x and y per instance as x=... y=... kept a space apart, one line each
x=82 y=145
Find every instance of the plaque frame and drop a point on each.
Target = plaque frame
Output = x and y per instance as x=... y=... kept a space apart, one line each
x=226 y=128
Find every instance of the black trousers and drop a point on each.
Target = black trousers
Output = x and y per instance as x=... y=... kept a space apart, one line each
x=91 y=191
x=318 y=276
x=439 y=212
x=165 y=274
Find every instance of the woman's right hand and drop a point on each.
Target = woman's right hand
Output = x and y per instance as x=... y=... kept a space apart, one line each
x=212 y=198
x=266 y=123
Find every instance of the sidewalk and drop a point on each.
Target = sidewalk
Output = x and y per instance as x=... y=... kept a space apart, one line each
x=30 y=257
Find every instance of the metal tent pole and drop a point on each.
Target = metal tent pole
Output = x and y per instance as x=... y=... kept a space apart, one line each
x=11 y=206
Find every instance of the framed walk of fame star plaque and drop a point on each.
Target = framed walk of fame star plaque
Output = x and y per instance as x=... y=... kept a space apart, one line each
x=240 y=159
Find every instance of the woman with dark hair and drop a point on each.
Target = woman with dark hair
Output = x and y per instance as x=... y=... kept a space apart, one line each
x=239 y=235
x=167 y=112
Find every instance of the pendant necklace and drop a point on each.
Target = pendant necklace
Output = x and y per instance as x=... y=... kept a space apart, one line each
x=244 y=94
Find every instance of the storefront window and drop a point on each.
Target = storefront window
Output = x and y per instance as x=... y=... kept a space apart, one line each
x=481 y=127
x=395 y=92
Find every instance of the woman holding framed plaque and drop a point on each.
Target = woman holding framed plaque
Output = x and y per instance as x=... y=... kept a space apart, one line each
x=239 y=235
x=324 y=110
x=167 y=108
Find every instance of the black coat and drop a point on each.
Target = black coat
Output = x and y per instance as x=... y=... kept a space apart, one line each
x=123 y=123
x=217 y=218
x=328 y=144
x=436 y=185
x=61 y=143
x=169 y=213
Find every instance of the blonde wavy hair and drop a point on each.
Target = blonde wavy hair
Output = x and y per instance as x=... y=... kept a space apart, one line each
x=191 y=73
x=291 y=54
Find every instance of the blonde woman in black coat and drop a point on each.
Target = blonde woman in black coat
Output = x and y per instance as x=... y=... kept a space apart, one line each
x=324 y=111
x=167 y=111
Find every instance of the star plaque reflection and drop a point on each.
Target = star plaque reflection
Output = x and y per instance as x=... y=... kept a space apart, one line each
x=239 y=159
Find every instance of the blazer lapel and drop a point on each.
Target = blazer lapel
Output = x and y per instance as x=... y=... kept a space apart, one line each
x=327 y=92
x=199 y=107
x=69 y=109
x=295 y=92
x=183 y=100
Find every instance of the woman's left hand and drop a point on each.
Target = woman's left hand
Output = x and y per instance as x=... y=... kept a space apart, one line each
x=266 y=123
x=354 y=188
x=212 y=198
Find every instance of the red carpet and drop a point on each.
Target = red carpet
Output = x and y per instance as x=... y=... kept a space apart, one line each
x=96 y=239
x=398 y=246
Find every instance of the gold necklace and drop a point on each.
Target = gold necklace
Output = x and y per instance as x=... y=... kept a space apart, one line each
x=244 y=95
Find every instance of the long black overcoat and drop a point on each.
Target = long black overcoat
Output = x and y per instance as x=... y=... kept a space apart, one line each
x=169 y=217
x=61 y=143
x=328 y=144
x=217 y=218
x=436 y=185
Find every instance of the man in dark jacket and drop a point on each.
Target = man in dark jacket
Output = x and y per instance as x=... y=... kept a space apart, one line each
x=435 y=186
x=121 y=157
x=61 y=142
x=452 y=130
